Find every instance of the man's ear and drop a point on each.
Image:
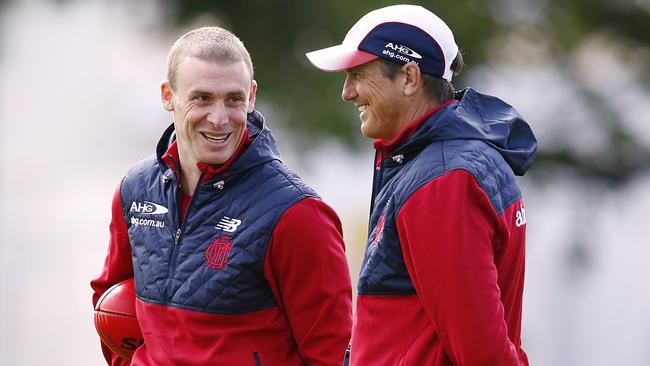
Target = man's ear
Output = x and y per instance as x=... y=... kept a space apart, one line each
x=166 y=95
x=252 y=96
x=412 y=78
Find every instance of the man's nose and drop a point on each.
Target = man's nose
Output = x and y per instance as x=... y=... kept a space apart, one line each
x=217 y=114
x=349 y=92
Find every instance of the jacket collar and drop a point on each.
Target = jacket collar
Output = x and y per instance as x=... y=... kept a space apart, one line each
x=257 y=147
x=472 y=116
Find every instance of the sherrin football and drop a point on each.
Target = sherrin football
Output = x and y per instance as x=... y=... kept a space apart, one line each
x=115 y=319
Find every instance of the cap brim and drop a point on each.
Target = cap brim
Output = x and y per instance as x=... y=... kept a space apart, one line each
x=338 y=58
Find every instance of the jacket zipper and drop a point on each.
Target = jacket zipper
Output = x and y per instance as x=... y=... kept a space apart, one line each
x=376 y=183
x=178 y=235
x=258 y=360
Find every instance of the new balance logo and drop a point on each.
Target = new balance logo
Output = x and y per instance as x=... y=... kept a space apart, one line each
x=228 y=224
x=520 y=217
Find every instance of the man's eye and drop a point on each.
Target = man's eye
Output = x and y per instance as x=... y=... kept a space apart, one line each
x=201 y=98
x=236 y=99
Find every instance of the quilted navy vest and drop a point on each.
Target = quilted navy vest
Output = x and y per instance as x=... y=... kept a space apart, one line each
x=383 y=271
x=213 y=261
x=479 y=134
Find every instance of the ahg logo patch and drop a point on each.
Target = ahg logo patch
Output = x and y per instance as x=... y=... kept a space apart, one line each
x=216 y=256
x=402 y=49
x=148 y=208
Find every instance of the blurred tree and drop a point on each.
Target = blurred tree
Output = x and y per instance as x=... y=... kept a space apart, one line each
x=278 y=33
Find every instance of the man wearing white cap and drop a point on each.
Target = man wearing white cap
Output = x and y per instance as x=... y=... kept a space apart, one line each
x=442 y=278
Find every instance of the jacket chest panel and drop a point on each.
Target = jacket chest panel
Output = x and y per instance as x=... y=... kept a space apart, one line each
x=213 y=261
x=383 y=270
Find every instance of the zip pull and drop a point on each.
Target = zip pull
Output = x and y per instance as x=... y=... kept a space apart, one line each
x=178 y=236
x=167 y=176
x=378 y=158
x=219 y=185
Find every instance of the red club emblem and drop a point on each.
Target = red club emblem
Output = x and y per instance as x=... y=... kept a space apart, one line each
x=216 y=256
x=379 y=230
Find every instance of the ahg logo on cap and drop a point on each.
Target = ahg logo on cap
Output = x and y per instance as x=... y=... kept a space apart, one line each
x=403 y=50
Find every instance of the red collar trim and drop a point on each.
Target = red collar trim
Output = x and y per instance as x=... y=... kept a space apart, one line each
x=386 y=147
x=172 y=159
x=210 y=171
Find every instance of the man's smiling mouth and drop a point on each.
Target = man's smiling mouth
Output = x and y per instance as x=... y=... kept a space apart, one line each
x=215 y=137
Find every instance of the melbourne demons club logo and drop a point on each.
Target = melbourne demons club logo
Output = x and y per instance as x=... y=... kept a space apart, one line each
x=216 y=256
x=379 y=230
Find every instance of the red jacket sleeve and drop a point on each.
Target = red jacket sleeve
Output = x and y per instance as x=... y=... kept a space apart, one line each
x=308 y=272
x=449 y=254
x=117 y=265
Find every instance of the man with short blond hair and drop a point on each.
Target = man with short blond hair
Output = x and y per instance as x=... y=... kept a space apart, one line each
x=241 y=263
x=209 y=43
x=443 y=274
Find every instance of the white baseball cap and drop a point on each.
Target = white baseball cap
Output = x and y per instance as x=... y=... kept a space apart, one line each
x=398 y=33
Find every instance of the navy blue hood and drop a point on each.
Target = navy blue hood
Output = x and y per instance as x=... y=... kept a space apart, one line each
x=482 y=117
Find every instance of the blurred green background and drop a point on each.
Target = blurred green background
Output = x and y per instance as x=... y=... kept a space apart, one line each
x=278 y=33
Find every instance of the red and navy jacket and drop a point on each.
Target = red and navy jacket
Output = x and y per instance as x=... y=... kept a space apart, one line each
x=254 y=274
x=442 y=278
